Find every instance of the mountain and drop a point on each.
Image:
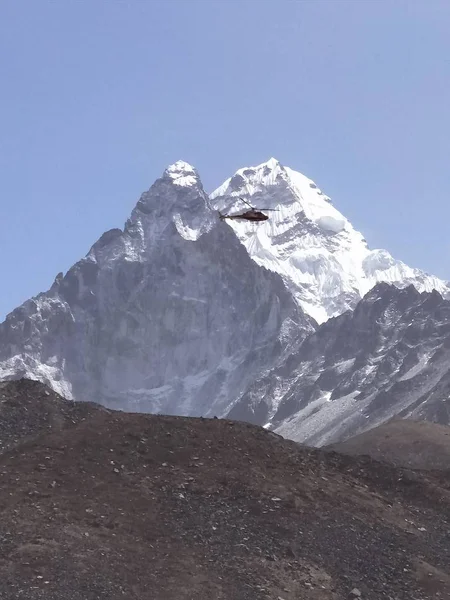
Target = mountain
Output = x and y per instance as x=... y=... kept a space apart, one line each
x=283 y=323
x=389 y=357
x=324 y=261
x=171 y=508
x=169 y=315
x=404 y=443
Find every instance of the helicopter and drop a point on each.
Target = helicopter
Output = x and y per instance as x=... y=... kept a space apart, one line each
x=254 y=214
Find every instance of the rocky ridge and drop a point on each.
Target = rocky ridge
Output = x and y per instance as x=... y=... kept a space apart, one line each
x=169 y=315
x=389 y=357
x=173 y=507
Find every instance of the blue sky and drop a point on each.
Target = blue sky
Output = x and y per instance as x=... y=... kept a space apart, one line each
x=98 y=97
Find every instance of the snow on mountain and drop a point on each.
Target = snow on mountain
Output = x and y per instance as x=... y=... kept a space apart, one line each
x=324 y=261
x=169 y=315
x=183 y=313
x=389 y=357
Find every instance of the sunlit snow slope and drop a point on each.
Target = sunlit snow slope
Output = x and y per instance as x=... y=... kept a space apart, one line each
x=324 y=261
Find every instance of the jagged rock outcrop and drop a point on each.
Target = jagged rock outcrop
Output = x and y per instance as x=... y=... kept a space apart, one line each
x=169 y=315
x=389 y=357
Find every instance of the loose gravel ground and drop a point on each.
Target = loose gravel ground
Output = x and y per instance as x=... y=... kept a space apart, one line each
x=96 y=504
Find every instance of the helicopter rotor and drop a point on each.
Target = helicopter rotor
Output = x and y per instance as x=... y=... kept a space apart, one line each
x=253 y=208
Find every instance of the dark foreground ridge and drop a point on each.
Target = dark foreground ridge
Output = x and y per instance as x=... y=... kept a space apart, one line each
x=403 y=443
x=114 y=505
x=29 y=408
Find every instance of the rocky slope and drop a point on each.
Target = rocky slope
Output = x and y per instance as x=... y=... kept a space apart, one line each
x=172 y=508
x=389 y=357
x=169 y=315
x=404 y=443
x=28 y=409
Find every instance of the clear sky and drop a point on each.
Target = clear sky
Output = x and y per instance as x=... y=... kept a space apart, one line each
x=97 y=97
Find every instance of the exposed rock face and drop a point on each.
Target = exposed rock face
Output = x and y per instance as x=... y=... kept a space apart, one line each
x=182 y=313
x=388 y=357
x=169 y=315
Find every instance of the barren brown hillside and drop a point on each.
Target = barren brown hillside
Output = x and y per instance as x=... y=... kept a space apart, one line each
x=403 y=442
x=129 y=506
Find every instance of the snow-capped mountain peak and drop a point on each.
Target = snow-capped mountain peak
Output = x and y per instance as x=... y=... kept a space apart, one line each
x=177 y=197
x=323 y=260
x=182 y=174
x=249 y=180
x=170 y=314
x=291 y=187
x=174 y=313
